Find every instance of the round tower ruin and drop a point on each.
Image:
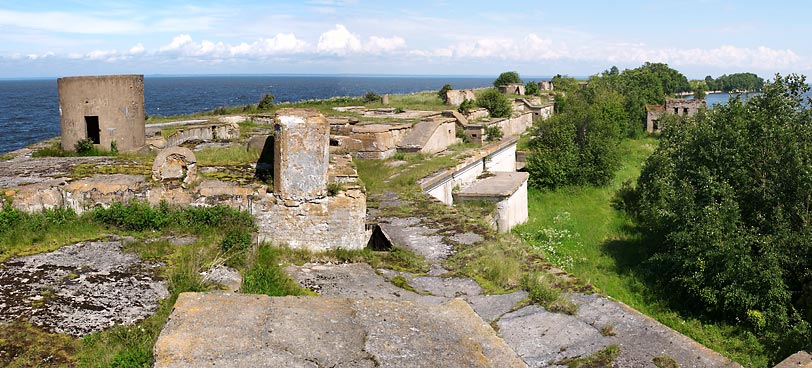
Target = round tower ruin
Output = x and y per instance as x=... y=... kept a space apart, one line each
x=104 y=109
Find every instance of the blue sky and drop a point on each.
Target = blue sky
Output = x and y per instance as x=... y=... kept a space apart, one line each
x=536 y=38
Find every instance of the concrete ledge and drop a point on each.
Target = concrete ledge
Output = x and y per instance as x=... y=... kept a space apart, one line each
x=238 y=330
x=500 y=185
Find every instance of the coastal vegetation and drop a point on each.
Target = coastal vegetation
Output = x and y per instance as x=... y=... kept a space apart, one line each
x=717 y=218
x=734 y=82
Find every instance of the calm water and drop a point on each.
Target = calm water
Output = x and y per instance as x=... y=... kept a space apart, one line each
x=29 y=109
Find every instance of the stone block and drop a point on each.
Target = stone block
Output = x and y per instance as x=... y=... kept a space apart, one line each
x=175 y=166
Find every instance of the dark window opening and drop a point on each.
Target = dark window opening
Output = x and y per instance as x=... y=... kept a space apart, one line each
x=676 y=110
x=93 y=131
x=685 y=110
x=656 y=124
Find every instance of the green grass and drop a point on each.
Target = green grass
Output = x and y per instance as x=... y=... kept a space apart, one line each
x=228 y=156
x=580 y=232
x=427 y=100
x=378 y=176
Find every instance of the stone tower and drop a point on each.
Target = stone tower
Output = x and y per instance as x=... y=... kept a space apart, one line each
x=104 y=109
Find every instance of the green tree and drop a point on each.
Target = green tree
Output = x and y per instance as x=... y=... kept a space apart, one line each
x=495 y=102
x=443 y=93
x=579 y=145
x=532 y=89
x=507 y=78
x=466 y=106
x=726 y=200
x=564 y=84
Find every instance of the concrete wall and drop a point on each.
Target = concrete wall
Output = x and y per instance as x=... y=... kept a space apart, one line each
x=515 y=125
x=457 y=96
x=117 y=101
x=376 y=141
x=301 y=153
x=464 y=175
x=444 y=136
x=503 y=160
x=211 y=132
x=513 y=210
x=499 y=156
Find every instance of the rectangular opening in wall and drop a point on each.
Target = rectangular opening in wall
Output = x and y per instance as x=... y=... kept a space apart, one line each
x=92 y=125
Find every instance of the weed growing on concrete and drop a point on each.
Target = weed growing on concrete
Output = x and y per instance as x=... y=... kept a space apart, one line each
x=602 y=358
x=542 y=290
x=608 y=330
x=665 y=362
x=264 y=276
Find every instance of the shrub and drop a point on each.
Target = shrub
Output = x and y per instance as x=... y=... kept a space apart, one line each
x=532 y=88
x=334 y=188
x=443 y=93
x=237 y=239
x=495 y=102
x=466 y=106
x=84 y=146
x=493 y=133
x=371 y=97
x=266 y=102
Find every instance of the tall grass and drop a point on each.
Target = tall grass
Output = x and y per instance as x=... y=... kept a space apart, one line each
x=579 y=231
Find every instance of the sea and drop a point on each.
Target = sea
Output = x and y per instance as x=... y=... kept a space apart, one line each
x=29 y=109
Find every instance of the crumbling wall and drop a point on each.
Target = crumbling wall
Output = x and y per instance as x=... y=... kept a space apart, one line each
x=457 y=96
x=212 y=132
x=104 y=108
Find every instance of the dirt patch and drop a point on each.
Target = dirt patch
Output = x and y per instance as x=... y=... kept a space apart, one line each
x=79 y=289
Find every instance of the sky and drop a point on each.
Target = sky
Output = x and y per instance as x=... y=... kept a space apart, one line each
x=406 y=37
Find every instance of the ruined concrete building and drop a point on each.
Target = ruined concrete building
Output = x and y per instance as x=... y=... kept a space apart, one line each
x=676 y=106
x=512 y=88
x=104 y=109
x=458 y=96
x=545 y=86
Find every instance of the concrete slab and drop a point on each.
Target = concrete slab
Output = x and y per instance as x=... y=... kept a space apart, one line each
x=233 y=330
x=492 y=307
x=501 y=184
x=408 y=233
x=353 y=280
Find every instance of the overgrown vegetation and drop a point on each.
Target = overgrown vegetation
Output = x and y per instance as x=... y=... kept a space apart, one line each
x=725 y=201
x=495 y=102
x=222 y=234
x=84 y=147
x=493 y=133
x=578 y=230
x=735 y=82
x=443 y=93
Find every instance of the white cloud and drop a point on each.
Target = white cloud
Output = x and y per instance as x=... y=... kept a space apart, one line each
x=137 y=49
x=283 y=43
x=377 y=44
x=338 y=41
x=33 y=57
x=67 y=22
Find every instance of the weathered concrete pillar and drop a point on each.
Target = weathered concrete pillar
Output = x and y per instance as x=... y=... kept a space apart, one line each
x=301 y=153
x=385 y=100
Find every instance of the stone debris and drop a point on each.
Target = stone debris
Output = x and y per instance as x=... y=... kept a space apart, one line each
x=80 y=288
x=233 y=330
x=227 y=277
x=174 y=167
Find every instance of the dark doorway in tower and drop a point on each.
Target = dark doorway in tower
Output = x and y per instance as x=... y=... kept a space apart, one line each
x=92 y=125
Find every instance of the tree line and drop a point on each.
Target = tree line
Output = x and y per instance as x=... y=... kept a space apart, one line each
x=724 y=202
x=735 y=82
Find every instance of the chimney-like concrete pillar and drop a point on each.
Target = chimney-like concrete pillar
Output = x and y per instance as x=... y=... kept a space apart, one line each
x=301 y=153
